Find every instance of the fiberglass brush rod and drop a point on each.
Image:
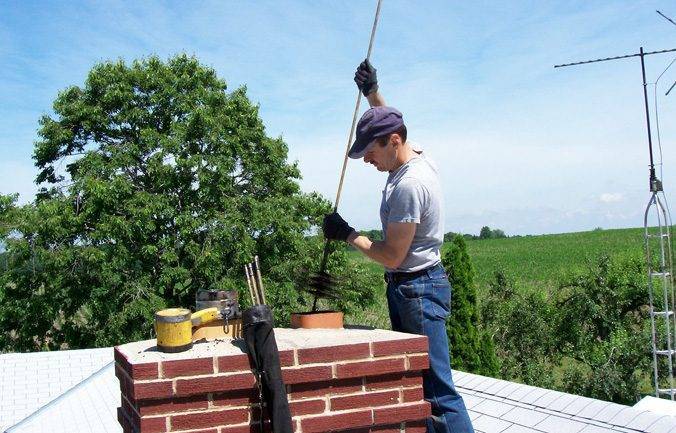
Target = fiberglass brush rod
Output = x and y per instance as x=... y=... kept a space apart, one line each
x=349 y=140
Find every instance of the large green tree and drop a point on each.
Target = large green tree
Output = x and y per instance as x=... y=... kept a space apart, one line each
x=471 y=348
x=156 y=182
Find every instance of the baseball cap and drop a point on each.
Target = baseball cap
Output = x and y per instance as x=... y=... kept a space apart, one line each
x=376 y=122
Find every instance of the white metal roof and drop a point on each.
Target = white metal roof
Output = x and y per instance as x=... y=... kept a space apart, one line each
x=507 y=407
x=495 y=406
x=31 y=380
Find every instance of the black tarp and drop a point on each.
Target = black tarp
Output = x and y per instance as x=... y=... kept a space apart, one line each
x=259 y=336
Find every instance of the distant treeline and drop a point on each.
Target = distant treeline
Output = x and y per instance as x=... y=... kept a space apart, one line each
x=485 y=233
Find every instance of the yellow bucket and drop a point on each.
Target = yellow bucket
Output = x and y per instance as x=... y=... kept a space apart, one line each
x=173 y=327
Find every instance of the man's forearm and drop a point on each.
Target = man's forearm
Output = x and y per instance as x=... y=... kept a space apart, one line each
x=377 y=250
x=376 y=99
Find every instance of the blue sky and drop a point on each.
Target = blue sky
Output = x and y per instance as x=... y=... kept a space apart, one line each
x=521 y=146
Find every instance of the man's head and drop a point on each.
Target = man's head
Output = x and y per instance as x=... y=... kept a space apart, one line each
x=385 y=153
x=381 y=138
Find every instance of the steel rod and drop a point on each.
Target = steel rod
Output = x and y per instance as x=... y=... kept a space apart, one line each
x=615 y=58
x=666 y=18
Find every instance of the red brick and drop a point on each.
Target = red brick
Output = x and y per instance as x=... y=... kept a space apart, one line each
x=254 y=427
x=120 y=373
x=416 y=426
x=328 y=387
x=360 y=401
x=393 y=380
x=233 y=363
x=240 y=397
x=286 y=358
x=187 y=367
x=119 y=357
x=408 y=412
x=336 y=353
x=325 y=423
x=306 y=374
x=151 y=425
x=208 y=430
x=398 y=347
x=307 y=407
x=357 y=430
x=127 y=406
x=244 y=428
x=175 y=404
x=370 y=368
x=203 y=385
x=151 y=390
x=412 y=394
x=418 y=362
x=391 y=428
x=212 y=418
x=142 y=371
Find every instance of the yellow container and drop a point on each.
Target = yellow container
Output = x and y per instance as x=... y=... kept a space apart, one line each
x=173 y=327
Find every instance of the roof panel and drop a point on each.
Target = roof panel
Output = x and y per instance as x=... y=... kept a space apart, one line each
x=33 y=379
x=490 y=424
x=524 y=417
x=557 y=424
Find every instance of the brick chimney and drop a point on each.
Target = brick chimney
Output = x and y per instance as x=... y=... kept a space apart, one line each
x=350 y=380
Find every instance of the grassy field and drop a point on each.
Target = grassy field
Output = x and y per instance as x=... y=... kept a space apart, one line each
x=542 y=261
x=533 y=262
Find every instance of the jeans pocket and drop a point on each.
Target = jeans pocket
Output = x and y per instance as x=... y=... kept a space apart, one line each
x=411 y=291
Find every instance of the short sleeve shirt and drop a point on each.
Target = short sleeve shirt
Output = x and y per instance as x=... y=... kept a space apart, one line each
x=412 y=194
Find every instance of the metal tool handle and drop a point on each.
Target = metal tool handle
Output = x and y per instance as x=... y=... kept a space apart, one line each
x=325 y=255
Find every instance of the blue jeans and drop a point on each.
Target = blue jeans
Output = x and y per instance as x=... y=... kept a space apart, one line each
x=421 y=306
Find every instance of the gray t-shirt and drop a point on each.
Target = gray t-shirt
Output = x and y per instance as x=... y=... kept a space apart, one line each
x=412 y=194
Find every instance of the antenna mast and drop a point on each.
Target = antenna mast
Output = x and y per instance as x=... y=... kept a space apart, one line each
x=658 y=256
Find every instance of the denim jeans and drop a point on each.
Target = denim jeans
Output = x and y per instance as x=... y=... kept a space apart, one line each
x=421 y=306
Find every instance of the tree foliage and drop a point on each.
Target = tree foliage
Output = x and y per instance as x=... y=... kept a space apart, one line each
x=471 y=347
x=170 y=185
x=603 y=327
x=589 y=337
x=521 y=323
x=488 y=233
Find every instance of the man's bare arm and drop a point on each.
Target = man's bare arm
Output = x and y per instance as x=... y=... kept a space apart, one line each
x=390 y=252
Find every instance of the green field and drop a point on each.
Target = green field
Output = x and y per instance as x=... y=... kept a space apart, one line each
x=533 y=262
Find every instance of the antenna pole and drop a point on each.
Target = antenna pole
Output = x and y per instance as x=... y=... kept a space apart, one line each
x=655 y=183
x=653 y=178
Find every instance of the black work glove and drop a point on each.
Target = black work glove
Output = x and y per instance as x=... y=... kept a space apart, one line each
x=336 y=228
x=366 y=79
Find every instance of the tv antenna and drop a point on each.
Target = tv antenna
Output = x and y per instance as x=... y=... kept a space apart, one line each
x=658 y=255
x=674 y=23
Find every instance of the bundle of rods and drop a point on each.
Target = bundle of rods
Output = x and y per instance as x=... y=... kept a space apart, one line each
x=255 y=282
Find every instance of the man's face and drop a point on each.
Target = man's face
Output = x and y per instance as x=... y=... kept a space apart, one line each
x=382 y=157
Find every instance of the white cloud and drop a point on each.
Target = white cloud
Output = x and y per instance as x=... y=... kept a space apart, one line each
x=611 y=197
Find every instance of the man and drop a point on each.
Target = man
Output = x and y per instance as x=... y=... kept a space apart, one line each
x=411 y=213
